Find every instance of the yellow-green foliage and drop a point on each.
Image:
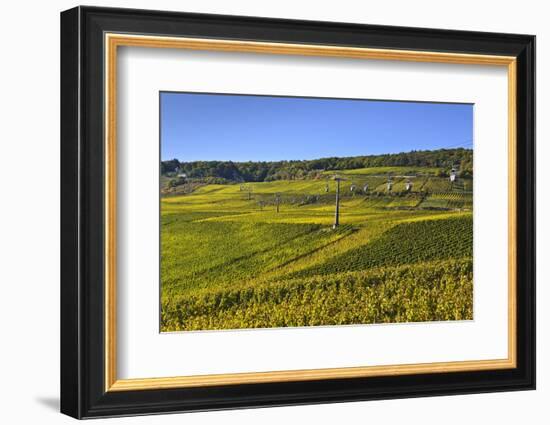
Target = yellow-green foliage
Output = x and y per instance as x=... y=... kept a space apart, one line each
x=198 y=255
x=230 y=260
x=426 y=292
x=406 y=243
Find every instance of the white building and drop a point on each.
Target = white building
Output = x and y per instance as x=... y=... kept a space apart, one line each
x=453 y=175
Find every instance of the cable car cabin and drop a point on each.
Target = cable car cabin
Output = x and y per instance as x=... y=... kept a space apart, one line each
x=408 y=186
x=352 y=187
x=389 y=186
x=366 y=188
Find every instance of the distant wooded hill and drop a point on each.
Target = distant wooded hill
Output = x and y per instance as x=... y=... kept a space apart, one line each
x=251 y=171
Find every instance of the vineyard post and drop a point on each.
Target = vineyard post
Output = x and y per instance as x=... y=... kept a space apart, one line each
x=337 y=209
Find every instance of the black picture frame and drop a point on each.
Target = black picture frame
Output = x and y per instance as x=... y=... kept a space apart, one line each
x=83 y=392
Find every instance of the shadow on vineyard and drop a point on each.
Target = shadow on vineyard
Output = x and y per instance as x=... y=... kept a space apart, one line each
x=406 y=243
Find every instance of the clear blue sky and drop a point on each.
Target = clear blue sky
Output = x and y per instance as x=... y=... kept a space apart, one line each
x=202 y=127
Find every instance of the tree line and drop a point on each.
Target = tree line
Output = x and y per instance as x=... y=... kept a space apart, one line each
x=257 y=171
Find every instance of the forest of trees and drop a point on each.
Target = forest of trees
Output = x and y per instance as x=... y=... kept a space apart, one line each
x=301 y=169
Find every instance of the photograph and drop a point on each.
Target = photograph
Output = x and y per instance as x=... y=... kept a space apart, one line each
x=283 y=211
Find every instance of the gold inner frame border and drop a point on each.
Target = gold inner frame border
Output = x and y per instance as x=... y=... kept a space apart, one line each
x=112 y=41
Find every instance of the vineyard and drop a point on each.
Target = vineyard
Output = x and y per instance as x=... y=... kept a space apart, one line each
x=265 y=254
x=422 y=292
x=405 y=243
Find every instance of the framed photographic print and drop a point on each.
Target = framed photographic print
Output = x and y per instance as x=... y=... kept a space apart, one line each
x=261 y=212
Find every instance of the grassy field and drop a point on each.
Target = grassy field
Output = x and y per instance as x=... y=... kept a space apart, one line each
x=229 y=260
